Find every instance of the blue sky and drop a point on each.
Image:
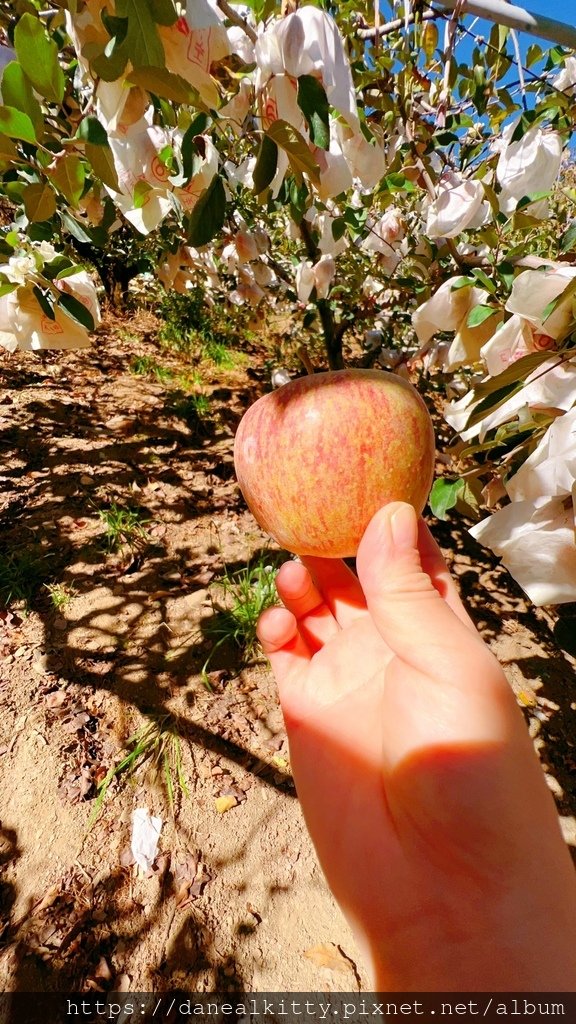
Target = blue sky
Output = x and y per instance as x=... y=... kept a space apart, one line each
x=559 y=10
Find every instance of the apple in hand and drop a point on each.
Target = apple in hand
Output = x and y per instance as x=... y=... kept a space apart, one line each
x=317 y=458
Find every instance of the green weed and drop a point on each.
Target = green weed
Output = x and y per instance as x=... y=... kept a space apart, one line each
x=122 y=526
x=244 y=596
x=220 y=355
x=194 y=409
x=22 y=573
x=145 y=366
x=154 y=750
x=127 y=337
x=211 y=332
x=61 y=594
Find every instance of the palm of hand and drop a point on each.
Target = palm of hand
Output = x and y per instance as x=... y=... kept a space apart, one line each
x=415 y=773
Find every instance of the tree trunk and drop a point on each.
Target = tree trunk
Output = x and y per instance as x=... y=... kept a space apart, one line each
x=333 y=332
x=333 y=335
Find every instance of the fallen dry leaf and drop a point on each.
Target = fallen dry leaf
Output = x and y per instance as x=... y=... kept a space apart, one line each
x=103 y=972
x=56 y=698
x=190 y=877
x=127 y=858
x=330 y=956
x=280 y=762
x=225 y=803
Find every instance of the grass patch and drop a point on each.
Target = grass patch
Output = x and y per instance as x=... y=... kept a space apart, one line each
x=194 y=409
x=61 y=594
x=194 y=328
x=22 y=573
x=146 y=366
x=220 y=355
x=122 y=526
x=154 y=751
x=242 y=597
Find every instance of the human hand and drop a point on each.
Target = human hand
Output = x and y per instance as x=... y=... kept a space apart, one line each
x=419 y=785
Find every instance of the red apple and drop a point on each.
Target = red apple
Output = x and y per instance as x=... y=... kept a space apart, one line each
x=318 y=457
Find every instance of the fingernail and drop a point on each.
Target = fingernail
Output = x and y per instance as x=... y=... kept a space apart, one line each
x=404 y=526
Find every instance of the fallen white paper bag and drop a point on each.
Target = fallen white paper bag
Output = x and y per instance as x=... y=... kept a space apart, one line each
x=145 y=836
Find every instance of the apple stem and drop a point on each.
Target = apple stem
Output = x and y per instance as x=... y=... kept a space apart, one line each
x=302 y=353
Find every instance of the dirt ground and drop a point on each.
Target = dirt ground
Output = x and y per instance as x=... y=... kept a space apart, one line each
x=235 y=900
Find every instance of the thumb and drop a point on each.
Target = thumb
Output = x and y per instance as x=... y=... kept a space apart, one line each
x=416 y=622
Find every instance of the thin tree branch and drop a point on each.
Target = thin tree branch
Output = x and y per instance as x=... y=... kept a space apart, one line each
x=394 y=26
x=516 y=45
x=237 y=19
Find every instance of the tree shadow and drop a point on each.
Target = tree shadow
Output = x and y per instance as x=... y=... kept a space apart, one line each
x=80 y=935
x=136 y=629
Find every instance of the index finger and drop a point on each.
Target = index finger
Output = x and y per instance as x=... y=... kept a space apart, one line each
x=339 y=587
x=434 y=565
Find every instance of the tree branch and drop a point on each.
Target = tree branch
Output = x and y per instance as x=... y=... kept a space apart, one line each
x=237 y=19
x=500 y=11
x=394 y=26
x=504 y=13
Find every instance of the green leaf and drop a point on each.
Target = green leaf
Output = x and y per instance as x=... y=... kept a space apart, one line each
x=338 y=228
x=313 y=103
x=17 y=92
x=91 y=130
x=106 y=63
x=69 y=177
x=74 y=268
x=207 y=217
x=57 y=266
x=166 y=157
x=567 y=293
x=189 y=150
x=141 y=190
x=73 y=228
x=101 y=161
x=482 y=277
x=266 y=164
x=8 y=150
x=398 y=183
x=479 y=314
x=163 y=12
x=16 y=125
x=44 y=300
x=461 y=282
x=295 y=146
x=39 y=202
x=494 y=391
x=506 y=273
x=117 y=29
x=533 y=54
x=568 y=239
x=519 y=370
x=7 y=287
x=38 y=55
x=14 y=190
x=76 y=310
x=143 y=43
x=444 y=495
x=163 y=83
x=492 y=401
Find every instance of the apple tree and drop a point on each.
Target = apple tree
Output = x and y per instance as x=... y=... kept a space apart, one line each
x=397 y=168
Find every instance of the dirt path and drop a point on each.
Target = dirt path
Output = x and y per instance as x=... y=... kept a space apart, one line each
x=235 y=900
